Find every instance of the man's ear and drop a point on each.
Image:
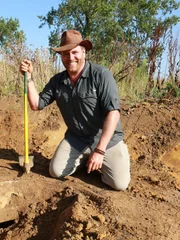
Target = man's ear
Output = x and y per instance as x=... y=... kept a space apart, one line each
x=84 y=52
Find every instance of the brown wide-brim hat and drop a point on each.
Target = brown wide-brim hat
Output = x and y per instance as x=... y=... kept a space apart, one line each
x=71 y=39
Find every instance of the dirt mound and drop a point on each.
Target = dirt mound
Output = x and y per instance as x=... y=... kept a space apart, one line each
x=35 y=206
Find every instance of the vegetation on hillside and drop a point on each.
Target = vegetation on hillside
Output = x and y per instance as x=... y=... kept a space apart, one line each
x=129 y=37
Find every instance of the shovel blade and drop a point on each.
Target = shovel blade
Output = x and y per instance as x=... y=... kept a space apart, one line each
x=27 y=165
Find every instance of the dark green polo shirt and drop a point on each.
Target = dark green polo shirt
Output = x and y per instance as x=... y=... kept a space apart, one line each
x=84 y=106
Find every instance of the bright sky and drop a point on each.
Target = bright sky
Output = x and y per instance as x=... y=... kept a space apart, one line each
x=27 y=12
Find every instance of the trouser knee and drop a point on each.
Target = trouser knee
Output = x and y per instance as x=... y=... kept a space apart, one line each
x=56 y=171
x=119 y=185
x=53 y=173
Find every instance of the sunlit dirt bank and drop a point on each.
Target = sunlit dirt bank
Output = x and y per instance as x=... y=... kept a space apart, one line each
x=36 y=206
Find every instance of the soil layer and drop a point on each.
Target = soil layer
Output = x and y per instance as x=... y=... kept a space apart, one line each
x=35 y=206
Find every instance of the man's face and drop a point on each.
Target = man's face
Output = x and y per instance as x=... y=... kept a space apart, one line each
x=73 y=60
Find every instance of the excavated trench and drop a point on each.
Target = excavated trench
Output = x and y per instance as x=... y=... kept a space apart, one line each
x=34 y=206
x=66 y=211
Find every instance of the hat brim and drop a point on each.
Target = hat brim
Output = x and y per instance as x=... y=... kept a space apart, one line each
x=85 y=43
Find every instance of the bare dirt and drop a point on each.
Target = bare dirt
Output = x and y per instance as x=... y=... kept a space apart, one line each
x=35 y=206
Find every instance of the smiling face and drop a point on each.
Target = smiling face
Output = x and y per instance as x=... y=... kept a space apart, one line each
x=74 y=60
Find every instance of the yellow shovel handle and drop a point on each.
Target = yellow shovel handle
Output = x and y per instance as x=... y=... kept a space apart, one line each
x=26 y=149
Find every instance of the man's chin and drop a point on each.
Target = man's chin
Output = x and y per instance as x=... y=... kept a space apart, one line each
x=72 y=69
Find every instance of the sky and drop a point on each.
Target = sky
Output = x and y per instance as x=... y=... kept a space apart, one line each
x=27 y=13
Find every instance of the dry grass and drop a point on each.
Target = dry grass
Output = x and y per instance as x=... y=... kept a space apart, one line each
x=131 y=84
x=11 y=80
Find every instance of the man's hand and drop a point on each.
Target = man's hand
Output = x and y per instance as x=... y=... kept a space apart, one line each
x=95 y=162
x=26 y=66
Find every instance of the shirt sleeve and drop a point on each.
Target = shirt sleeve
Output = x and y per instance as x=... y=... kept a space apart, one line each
x=108 y=92
x=47 y=96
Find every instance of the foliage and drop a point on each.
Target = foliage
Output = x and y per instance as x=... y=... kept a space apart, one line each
x=135 y=90
x=130 y=87
x=123 y=32
x=128 y=37
x=10 y=33
x=110 y=22
x=11 y=81
x=172 y=89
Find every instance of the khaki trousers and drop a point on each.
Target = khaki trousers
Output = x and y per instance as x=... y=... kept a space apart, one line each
x=115 y=169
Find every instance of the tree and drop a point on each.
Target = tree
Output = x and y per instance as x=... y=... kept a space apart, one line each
x=10 y=33
x=121 y=31
x=110 y=19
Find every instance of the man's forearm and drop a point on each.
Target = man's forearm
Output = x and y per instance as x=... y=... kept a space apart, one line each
x=33 y=96
x=109 y=127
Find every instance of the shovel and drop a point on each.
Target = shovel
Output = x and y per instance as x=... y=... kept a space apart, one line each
x=26 y=161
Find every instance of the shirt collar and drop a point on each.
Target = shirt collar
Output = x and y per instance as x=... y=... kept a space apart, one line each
x=85 y=72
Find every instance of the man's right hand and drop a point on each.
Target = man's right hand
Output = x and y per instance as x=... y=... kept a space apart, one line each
x=26 y=66
x=33 y=96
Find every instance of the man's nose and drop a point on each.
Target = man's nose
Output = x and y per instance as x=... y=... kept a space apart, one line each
x=71 y=56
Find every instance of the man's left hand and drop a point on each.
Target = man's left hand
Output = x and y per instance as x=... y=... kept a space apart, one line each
x=94 y=162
